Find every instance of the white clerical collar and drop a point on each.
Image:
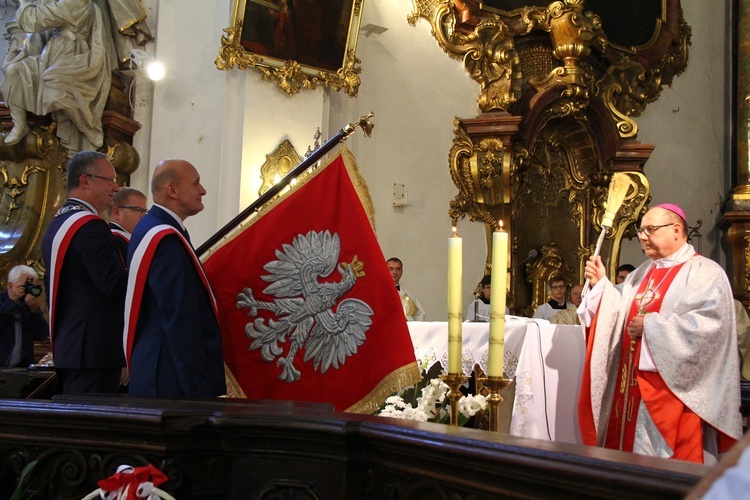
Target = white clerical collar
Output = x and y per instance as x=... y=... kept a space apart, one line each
x=685 y=252
x=87 y=204
x=174 y=215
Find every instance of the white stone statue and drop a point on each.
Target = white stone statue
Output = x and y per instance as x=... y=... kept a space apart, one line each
x=127 y=20
x=71 y=76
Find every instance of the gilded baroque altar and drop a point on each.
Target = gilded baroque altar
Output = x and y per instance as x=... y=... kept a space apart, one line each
x=558 y=97
x=33 y=173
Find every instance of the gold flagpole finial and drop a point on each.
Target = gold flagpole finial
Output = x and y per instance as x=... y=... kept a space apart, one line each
x=364 y=122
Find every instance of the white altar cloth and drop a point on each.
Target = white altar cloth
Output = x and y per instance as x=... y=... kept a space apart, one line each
x=546 y=360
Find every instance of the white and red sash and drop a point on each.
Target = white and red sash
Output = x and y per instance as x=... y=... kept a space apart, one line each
x=60 y=245
x=138 y=275
x=119 y=233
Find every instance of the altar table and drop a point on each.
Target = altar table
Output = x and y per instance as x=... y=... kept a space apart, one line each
x=546 y=360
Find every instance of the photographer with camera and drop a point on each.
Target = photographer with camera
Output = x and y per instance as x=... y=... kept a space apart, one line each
x=21 y=321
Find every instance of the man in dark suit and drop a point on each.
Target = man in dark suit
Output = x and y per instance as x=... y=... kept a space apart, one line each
x=172 y=336
x=85 y=281
x=129 y=206
x=21 y=321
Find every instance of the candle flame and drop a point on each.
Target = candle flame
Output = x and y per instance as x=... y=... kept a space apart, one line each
x=455 y=231
x=500 y=224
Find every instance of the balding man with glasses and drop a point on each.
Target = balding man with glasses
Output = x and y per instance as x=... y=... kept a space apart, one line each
x=661 y=375
x=86 y=280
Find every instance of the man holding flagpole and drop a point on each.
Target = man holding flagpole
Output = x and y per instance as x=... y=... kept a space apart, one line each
x=172 y=337
x=661 y=375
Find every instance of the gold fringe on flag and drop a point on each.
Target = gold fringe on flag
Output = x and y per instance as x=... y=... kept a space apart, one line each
x=399 y=379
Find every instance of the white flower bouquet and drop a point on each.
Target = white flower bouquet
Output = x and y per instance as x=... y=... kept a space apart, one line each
x=432 y=405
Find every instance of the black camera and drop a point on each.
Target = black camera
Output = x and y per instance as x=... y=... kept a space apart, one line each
x=30 y=287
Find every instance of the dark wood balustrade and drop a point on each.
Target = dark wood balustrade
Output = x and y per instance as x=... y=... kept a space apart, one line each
x=241 y=450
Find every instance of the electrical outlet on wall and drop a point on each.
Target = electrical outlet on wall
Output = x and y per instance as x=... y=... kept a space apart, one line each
x=400 y=195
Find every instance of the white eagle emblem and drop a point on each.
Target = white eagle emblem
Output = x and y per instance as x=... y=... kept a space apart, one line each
x=304 y=308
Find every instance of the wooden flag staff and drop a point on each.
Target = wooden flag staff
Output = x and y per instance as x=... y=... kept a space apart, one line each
x=364 y=123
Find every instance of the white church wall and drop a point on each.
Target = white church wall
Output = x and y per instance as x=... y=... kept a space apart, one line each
x=188 y=103
x=689 y=126
x=415 y=91
x=410 y=144
x=224 y=122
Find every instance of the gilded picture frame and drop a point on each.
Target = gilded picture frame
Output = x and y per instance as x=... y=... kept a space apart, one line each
x=296 y=43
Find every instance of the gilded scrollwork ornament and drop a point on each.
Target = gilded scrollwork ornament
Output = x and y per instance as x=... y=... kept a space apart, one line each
x=492 y=61
x=278 y=164
x=489 y=48
x=232 y=54
x=627 y=87
x=14 y=186
x=481 y=173
x=464 y=202
x=488 y=52
x=572 y=31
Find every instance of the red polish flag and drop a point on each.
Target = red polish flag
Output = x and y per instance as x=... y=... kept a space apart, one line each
x=307 y=308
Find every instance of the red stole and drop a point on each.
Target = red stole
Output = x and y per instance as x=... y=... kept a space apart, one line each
x=627 y=397
x=138 y=276
x=60 y=245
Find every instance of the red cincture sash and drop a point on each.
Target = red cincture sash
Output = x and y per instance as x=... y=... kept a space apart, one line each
x=138 y=275
x=60 y=245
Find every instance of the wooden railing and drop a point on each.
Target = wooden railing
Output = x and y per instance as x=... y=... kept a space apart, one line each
x=240 y=449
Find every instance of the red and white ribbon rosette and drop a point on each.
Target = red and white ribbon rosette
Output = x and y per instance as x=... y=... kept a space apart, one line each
x=132 y=483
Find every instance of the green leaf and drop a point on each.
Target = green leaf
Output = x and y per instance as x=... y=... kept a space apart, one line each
x=20 y=490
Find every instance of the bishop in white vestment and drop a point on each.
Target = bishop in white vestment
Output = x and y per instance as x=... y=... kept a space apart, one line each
x=662 y=370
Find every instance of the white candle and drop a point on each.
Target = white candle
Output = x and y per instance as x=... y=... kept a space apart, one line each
x=496 y=350
x=455 y=256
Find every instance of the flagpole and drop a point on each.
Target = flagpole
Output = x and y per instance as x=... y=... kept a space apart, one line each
x=364 y=122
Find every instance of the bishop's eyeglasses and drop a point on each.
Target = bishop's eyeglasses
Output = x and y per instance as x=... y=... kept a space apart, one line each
x=649 y=230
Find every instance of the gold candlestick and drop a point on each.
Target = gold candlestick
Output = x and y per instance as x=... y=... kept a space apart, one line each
x=495 y=385
x=454 y=381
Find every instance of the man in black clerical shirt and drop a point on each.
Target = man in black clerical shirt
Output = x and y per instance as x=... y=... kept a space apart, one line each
x=557 y=302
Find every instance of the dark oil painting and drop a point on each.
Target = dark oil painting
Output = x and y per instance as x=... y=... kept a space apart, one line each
x=311 y=32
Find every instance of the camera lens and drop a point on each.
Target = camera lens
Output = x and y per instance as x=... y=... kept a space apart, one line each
x=35 y=290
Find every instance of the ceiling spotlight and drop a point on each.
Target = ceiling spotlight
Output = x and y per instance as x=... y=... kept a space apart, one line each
x=144 y=61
